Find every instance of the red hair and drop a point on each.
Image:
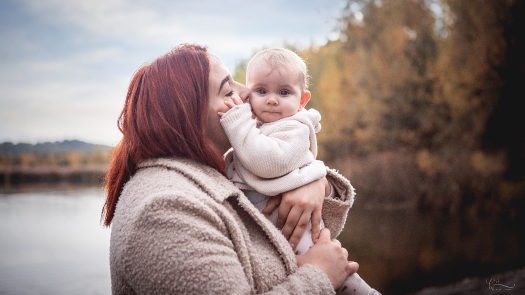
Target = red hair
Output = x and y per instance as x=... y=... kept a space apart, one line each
x=164 y=115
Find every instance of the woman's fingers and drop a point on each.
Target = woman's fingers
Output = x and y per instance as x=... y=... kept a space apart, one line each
x=283 y=215
x=316 y=224
x=287 y=219
x=298 y=207
x=299 y=229
x=345 y=253
x=352 y=268
x=331 y=258
x=324 y=235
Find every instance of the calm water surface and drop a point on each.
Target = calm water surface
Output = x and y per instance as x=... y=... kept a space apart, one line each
x=401 y=251
x=53 y=243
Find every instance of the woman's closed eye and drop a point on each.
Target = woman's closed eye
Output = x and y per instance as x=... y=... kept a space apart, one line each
x=229 y=94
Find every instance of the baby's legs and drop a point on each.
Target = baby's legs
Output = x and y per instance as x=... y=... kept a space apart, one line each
x=306 y=242
x=352 y=285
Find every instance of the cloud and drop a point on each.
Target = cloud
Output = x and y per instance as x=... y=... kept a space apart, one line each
x=65 y=65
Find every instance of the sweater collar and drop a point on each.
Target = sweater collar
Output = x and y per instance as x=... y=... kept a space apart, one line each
x=211 y=181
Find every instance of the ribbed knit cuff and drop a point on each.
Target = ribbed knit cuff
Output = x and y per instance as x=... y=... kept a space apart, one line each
x=237 y=112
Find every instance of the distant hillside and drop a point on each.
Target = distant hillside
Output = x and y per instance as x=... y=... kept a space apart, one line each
x=8 y=148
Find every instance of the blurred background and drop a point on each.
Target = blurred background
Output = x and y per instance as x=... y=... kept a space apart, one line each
x=422 y=107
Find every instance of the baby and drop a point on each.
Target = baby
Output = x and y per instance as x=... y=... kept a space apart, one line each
x=277 y=151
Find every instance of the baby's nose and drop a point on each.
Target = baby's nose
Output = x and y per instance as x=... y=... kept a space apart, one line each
x=271 y=101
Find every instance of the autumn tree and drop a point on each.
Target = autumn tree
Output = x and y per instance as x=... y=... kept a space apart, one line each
x=374 y=85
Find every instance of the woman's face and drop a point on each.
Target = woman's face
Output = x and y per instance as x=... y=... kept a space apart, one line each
x=222 y=87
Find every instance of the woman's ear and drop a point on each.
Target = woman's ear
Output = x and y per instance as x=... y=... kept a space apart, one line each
x=304 y=99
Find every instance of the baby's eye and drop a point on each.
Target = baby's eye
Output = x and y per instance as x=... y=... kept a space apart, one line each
x=261 y=91
x=284 y=92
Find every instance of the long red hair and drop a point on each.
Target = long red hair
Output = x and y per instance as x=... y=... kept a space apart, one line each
x=164 y=115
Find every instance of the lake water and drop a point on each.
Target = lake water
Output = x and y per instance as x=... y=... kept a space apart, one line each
x=53 y=243
x=402 y=251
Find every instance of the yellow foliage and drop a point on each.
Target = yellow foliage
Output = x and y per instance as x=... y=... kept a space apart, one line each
x=427 y=162
x=239 y=74
x=486 y=164
x=28 y=160
x=73 y=159
x=98 y=157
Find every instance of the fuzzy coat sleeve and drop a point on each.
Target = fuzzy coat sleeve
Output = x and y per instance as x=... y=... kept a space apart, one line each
x=336 y=206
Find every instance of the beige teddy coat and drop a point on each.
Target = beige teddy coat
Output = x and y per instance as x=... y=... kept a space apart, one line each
x=181 y=227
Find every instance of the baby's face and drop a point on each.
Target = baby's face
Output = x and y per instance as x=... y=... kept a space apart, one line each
x=275 y=94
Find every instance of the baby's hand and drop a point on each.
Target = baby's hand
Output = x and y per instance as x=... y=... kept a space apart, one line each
x=235 y=101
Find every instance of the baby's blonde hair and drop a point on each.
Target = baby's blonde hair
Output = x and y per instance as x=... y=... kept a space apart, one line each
x=277 y=57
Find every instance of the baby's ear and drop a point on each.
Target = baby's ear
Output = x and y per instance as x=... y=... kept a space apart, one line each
x=304 y=99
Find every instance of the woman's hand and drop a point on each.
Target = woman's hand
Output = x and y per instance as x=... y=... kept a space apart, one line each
x=331 y=258
x=296 y=208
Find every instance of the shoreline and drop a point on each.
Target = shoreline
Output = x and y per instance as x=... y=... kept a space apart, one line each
x=12 y=177
x=509 y=282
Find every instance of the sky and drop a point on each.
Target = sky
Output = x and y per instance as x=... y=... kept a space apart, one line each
x=65 y=64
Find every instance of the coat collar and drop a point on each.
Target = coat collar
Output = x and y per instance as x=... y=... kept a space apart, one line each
x=220 y=188
x=211 y=181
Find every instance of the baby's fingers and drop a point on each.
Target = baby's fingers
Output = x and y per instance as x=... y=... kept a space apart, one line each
x=229 y=104
x=237 y=100
x=272 y=204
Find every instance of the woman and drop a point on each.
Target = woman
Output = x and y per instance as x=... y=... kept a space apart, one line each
x=180 y=225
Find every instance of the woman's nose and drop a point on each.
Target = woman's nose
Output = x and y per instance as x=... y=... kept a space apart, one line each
x=242 y=90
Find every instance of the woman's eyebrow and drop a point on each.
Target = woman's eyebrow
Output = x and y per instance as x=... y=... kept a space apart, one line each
x=222 y=83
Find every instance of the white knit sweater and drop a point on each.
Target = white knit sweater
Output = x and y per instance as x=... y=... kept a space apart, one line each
x=275 y=157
